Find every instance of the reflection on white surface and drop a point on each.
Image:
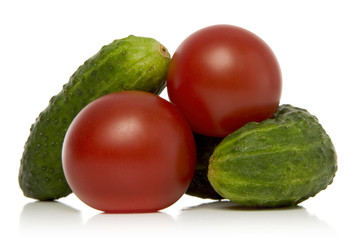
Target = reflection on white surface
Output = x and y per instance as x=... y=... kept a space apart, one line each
x=42 y=218
x=139 y=225
x=225 y=217
x=213 y=220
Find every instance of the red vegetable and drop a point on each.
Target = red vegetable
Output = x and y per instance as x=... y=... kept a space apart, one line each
x=222 y=77
x=129 y=152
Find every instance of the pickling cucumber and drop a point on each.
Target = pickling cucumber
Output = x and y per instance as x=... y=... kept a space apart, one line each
x=132 y=63
x=200 y=185
x=275 y=163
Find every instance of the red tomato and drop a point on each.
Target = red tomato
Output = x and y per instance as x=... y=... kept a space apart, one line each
x=222 y=77
x=129 y=152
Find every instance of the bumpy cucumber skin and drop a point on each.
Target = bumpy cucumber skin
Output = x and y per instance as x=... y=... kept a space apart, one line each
x=200 y=185
x=279 y=162
x=132 y=63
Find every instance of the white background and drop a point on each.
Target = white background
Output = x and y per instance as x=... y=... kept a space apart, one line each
x=316 y=42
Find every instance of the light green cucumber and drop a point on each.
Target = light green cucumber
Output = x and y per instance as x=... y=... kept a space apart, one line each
x=132 y=63
x=278 y=162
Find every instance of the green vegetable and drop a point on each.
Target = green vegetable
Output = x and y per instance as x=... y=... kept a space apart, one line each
x=279 y=162
x=132 y=63
x=200 y=185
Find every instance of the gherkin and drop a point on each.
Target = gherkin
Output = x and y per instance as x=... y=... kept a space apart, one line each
x=278 y=162
x=131 y=63
x=200 y=185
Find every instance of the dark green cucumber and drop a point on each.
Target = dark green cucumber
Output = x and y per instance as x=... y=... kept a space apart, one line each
x=200 y=185
x=278 y=162
x=132 y=63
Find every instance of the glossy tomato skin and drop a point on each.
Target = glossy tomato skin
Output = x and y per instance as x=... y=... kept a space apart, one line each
x=129 y=152
x=222 y=77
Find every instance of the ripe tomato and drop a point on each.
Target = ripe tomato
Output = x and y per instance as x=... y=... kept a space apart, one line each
x=222 y=77
x=129 y=152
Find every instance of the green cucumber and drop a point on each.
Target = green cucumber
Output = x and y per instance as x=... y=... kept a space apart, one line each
x=132 y=63
x=278 y=162
x=200 y=185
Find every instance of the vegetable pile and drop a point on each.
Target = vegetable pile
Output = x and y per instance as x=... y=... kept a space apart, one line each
x=109 y=138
